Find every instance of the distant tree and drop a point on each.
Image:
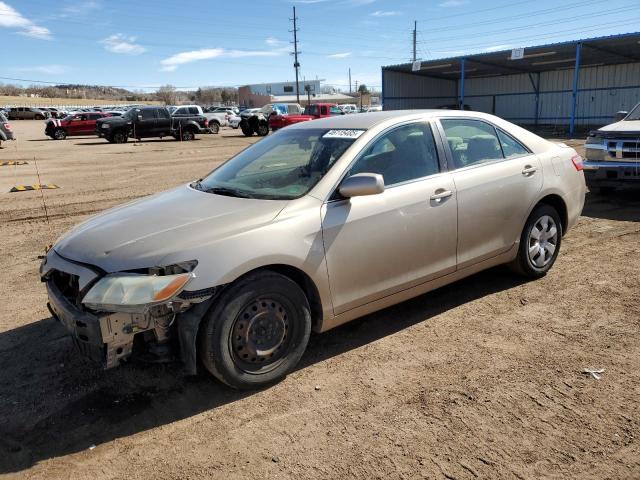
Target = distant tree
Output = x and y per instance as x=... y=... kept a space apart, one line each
x=363 y=89
x=167 y=94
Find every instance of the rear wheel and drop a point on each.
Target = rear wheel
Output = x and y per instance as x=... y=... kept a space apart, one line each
x=187 y=135
x=214 y=127
x=59 y=134
x=539 y=243
x=263 y=129
x=39 y=117
x=256 y=332
x=247 y=131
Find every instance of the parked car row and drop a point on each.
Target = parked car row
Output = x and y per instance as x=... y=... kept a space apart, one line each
x=6 y=133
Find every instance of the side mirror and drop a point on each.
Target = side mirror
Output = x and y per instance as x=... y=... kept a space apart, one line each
x=621 y=115
x=140 y=117
x=362 y=184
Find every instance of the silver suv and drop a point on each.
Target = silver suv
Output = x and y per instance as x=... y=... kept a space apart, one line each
x=309 y=228
x=28 y=113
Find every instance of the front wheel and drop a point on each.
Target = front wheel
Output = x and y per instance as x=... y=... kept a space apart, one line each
x=247 y=131
x=59 y=134
x=256 y=332
x=119 y=137
x=539 y=243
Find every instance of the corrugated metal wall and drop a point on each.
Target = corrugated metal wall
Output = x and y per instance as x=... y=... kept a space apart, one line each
x=602 y=91
x=404 y=91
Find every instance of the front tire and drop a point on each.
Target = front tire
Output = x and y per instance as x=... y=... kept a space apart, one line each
x=539 y=243
x=256 y=332
x=59 y=134
x=119 y=137
x=247 y=131
x=187 y=135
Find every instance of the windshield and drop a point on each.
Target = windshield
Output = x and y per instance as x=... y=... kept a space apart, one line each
x=280 y=167
x=130 y=114
x=634 y=114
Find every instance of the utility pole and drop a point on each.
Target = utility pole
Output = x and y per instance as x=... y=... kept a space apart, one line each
x=349 y=79
x=415 y=31
x=296 y=64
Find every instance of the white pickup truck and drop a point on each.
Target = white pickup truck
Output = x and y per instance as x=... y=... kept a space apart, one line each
x=216 y=120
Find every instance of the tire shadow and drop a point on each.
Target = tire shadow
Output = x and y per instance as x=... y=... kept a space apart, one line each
x=621 y=205
x=57 y=403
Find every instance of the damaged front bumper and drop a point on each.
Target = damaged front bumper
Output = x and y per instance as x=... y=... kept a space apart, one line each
x=108 y=337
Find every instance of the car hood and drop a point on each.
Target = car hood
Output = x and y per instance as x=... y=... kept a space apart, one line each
x=165 y=226
x=622 y=126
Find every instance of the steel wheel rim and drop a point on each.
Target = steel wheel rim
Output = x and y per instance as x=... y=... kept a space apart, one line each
x=543 y=241
x=59 y=134
x=263 y=129
x=260 y=335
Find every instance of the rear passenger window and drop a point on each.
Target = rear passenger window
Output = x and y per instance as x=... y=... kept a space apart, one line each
x=471 y=142
x=510 y=146
x=400 y=155
x=193 y=110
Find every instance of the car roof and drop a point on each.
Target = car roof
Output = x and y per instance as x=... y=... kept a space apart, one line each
x=368 y=120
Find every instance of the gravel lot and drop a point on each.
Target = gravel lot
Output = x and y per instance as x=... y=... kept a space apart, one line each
x=481 y=379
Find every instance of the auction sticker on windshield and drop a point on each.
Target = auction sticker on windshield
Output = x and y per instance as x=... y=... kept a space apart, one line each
x=343 y=134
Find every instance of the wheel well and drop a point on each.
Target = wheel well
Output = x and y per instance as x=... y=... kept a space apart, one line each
x=305 y=283
x=557 y=202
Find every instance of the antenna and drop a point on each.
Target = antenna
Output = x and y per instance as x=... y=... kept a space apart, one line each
x=295 y=53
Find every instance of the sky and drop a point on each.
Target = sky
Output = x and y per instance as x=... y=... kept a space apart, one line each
x=143 y=44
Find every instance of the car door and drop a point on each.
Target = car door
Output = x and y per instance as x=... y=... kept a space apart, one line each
x=381 y=244
x=497 y=180
x=145 y=125
x=75 y=125
x=163 y=122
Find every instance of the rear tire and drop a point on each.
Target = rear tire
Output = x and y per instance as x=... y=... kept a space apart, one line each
x=256 y=332
x=59 y=134
x=263 y=130
x=539 y=243
x=214 y=127
x=187 y=135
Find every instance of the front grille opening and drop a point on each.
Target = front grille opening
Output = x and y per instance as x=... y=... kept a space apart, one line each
x=67 y=284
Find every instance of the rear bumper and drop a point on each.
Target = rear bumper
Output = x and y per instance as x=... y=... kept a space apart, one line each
x=611 y=174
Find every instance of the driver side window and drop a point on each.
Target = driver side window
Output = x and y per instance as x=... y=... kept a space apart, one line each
x=400 y=155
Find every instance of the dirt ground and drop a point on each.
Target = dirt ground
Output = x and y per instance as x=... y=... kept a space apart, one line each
x=480 y=379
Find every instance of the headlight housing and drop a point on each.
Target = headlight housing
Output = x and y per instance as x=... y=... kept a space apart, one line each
x=594 y=148
x=105 y=125
x=134 y=292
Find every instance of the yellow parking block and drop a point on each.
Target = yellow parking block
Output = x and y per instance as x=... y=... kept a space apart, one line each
x=19 y=162
x=26 y=188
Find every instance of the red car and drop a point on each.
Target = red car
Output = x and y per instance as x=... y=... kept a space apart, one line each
x=311 y=112
x=73 y=125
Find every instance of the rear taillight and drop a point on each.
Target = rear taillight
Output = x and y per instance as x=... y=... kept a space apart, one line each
x=206 y=122
x=226 y=116
x=7 y=126
x=577 y=162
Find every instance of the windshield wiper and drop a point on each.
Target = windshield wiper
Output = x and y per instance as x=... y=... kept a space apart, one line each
x=229 y=192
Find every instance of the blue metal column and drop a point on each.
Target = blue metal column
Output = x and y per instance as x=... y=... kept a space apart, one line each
x=461 y=95
x=576 y=73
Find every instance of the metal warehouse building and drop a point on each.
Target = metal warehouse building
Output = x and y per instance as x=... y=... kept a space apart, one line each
x=581 y=83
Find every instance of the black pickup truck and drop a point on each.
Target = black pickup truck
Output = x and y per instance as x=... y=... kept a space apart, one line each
x=147 y=122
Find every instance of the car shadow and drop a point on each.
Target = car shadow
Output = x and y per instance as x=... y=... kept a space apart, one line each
x=156 y=140
x=57 y=403
x=621 y=205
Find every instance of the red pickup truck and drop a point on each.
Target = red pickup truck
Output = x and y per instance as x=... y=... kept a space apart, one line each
x=311 y=112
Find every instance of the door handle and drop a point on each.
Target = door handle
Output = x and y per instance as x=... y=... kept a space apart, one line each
x=529 y=170
x=440 y=195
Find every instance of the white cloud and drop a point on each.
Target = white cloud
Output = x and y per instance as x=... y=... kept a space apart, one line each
x=274 y=42
x=10 y=18
x=120 y=43
x=53 y=69
x=497 y=48
x=171 y=63
x=340 y=55
x=453 y=3
x=383 y=13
